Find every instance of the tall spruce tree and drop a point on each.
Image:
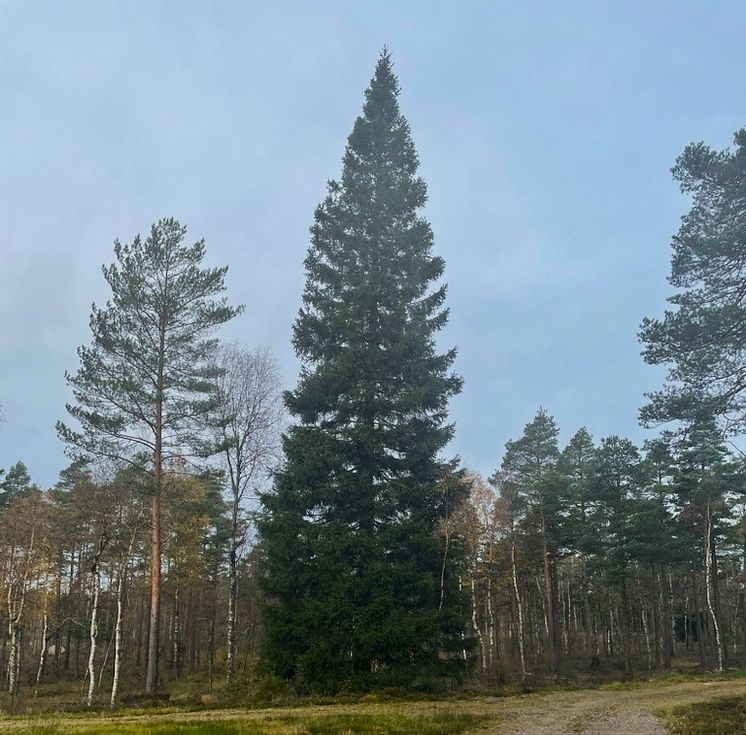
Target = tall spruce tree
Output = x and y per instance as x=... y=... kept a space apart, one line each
x=148 y=377
x=353 y=560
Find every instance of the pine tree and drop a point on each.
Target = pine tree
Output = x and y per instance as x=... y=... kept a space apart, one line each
x=618 y=491
x=353 y=560
x=149 y=377
x=705 y=476
x=531 y=462
x=701 y=338
x=16 y=482
x=580 y=535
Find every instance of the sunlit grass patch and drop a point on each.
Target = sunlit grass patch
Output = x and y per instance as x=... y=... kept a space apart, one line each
x=726 y=716
x=441 y=723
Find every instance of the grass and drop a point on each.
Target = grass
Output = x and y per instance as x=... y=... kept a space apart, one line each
x=438 y=723
x=680 y=698
x=724 y=716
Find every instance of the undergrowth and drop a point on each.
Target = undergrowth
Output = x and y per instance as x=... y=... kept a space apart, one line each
x=725 y=716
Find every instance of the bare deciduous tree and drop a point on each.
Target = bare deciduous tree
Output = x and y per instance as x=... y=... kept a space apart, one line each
x=247 y=431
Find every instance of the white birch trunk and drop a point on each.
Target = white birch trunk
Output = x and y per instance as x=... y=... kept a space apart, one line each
x=708 y=585
x=15 y=613
x=646 y=632
x=490 y=618
x=93 y=633
x=477 y=630
x=463 y=633
x=519 y=605
x=117 y=641
x=12 y=659
x=42 y=654
x=230 y=654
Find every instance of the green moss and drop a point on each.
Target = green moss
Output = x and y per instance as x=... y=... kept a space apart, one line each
x=726 y=716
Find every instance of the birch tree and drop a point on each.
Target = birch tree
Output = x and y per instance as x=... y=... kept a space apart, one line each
x=247 y=431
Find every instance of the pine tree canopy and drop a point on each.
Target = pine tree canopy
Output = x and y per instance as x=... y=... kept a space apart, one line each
x=702 y=338
x=152 y=345
x=353 y=559
x=16 y=482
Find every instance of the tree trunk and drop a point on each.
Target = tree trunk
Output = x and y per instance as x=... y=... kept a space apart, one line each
x=708 y=586
x=624 y=628
x=117 y=640
x=151 y=675
x=476 y=627
x=551 y=597
x=92 y=634
x=519 y=607
x=230 y=654
x=42 y=654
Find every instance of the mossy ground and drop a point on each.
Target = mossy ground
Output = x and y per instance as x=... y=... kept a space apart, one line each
x=724 y=716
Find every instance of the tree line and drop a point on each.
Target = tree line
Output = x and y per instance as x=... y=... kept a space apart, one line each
x=207 y=520
x=607 y=556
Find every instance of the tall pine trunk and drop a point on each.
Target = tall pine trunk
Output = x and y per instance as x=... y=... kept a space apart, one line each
x=151 y=675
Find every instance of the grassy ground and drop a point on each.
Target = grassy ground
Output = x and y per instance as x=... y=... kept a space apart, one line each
x=633 y=708
x=442 y=723
x=724 y=716
x=299 y=722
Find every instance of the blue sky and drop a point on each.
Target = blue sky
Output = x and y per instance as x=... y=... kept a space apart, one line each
x=546 y=132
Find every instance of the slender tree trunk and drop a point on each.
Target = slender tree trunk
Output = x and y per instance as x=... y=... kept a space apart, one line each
x=230 y=658
x=490 y=618
x=211 y=643
x=519 y=608
x=698 y=622
x=117 y=640
x=12 y=659
x=708 y=586
x=477 y=629
x=551 y=598
x=15 y=615
x=445 y=558
x=463 y=633
x=92 y=635
x=624 y=627
x=743 y=571
x=151 y=676
x=177 y=632
x=43 y=652
x=587 y=608
x=646 y=633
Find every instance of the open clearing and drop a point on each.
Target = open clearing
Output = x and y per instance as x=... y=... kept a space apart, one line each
x=622 y=710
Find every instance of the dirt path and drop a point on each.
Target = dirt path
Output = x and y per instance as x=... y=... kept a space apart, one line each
x=622 y=711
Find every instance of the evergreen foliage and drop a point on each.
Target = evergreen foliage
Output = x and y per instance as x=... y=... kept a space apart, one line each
x=701 y=339
x=353 y=560
x=14 y=483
